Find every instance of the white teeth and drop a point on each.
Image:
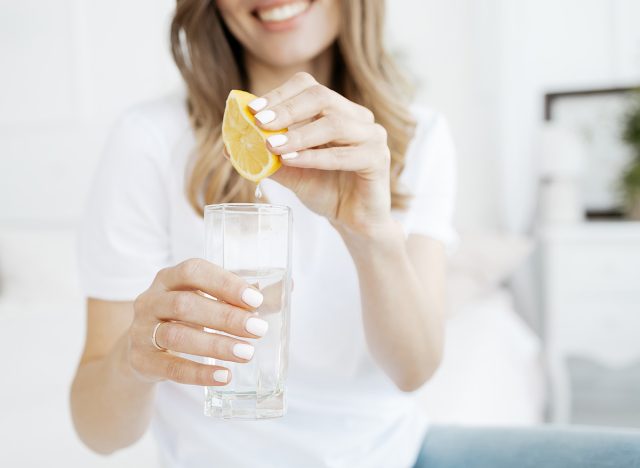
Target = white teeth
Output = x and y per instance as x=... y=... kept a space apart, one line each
x=284 y=12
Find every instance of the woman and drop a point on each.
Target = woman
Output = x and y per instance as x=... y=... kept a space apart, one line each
x=371 y=185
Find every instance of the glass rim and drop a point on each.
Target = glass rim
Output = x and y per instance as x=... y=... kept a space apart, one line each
x=247 y=208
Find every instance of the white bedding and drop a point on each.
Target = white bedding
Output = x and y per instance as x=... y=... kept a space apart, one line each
x=491 y=373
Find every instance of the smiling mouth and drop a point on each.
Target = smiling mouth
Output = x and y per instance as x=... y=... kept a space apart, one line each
x=283 y=12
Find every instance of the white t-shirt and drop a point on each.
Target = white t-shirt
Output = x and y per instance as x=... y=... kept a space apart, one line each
x=343 y=411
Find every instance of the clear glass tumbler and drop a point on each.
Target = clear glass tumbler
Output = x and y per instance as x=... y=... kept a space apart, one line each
x=254 y=241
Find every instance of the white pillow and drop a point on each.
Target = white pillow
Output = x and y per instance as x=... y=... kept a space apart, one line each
x=481 y=263
x=492 y=373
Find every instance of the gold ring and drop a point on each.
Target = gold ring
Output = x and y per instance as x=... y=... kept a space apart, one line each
x=153 y=337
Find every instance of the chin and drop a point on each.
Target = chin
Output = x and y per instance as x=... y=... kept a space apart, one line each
x=283 y=33
x=289 y=54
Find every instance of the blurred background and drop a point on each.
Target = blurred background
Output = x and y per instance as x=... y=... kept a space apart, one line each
x=544 y=287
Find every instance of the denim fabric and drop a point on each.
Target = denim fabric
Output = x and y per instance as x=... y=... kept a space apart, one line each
x=543 y=447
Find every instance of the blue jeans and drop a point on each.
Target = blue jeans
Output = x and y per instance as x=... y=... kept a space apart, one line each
x=543 y=447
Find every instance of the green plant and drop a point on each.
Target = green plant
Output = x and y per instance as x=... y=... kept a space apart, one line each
x=630 y=178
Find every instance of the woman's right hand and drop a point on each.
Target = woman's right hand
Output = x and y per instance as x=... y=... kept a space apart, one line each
x=173 y=301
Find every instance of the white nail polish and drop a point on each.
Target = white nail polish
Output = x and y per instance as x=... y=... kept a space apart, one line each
x=266 y=116
x=252 y=297
x=292 y=155
x=243 y=351
x=258 y=104
x=256 y=326
x=277 y=140
x=221 y=375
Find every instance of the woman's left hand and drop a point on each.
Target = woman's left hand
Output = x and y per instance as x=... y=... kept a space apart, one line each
x=335 y=157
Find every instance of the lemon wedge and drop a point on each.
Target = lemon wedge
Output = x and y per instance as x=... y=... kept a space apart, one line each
x=244 y=141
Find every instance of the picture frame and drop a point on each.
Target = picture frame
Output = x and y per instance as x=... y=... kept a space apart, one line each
x=596 y=116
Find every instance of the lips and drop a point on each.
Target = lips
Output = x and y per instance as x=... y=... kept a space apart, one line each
x=282 y=12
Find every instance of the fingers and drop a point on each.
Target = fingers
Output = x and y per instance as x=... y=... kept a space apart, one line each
x=155 y=365
x=185 y=371
x=337 y=158
x=185 y=339
x=298 y=83
x=329 y=129
x=309 y=103
x=318 y=116
x=191 y=307
x=302 y=98
x=372 y=155
x=197 y=273
x=314 y=101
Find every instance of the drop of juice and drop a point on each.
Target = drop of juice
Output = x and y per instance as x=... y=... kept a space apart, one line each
x=258 y=193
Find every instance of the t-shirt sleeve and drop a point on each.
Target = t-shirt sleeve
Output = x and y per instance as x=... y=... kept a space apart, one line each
x=123 y=234
x=430 y=176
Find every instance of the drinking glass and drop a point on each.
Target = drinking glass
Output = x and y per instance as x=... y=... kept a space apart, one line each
x=254 y=242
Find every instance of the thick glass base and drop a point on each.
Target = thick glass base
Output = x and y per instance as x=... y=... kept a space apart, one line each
x=247 y=405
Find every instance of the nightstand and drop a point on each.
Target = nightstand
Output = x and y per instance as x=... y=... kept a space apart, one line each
x=591 y=300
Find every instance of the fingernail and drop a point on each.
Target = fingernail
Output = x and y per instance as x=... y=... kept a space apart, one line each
x=292 y=155
x=277 y=140
x=243 y=351
x=258 y=104
x=266 y=116
x=256 y=326
x=252 y=297
x=221 y=375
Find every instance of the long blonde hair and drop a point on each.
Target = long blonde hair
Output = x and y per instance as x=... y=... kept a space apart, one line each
x=210 y=60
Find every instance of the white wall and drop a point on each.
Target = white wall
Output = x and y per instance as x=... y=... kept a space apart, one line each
x=448 y=47
x=487 y=63
x=551 y=45
x=68 y=68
